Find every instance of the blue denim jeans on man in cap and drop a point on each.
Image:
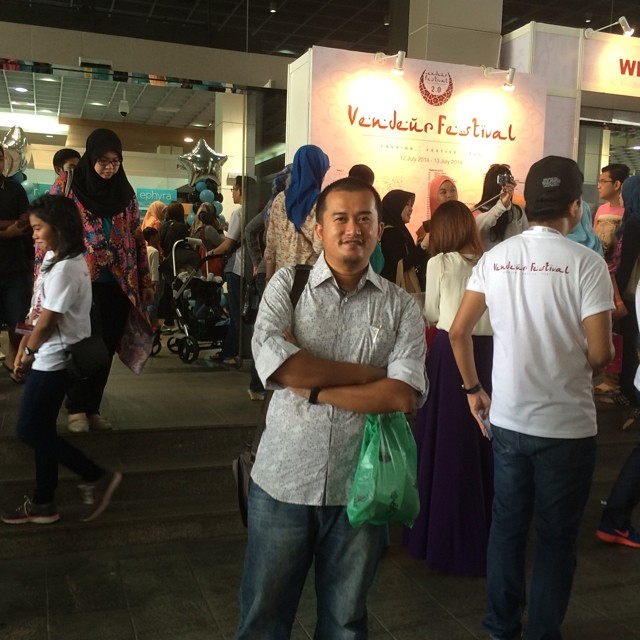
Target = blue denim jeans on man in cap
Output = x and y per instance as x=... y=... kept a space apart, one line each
x=284 y=540
x=547 y=480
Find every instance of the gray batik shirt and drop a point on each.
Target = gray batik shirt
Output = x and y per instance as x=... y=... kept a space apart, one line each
x=308 y=453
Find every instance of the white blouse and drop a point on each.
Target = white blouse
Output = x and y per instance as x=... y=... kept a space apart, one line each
x=447 y=276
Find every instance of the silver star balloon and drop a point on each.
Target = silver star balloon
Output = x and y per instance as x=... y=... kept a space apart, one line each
x=14 y=144
x=203 y=162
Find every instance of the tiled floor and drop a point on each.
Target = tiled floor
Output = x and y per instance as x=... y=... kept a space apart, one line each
x=188 y=590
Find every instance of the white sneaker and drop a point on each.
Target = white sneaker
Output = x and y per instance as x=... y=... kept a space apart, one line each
x=98 y=423
x=78 y=423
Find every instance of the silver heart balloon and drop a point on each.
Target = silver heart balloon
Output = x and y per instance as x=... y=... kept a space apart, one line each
x=203 y=162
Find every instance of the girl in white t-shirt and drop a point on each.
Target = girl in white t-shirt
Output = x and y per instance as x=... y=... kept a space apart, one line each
x=455 y=462
x=59 y=317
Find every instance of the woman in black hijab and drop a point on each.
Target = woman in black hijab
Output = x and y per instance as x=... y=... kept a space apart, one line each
x=116 y=256
x=397 y=242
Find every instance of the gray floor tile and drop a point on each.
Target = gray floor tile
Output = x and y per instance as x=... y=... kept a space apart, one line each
x=86 y=587
x=116 y=625
x=24 y=628
x=167 y=613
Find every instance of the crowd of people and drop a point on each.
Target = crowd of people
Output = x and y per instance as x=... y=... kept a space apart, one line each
x=515 y=308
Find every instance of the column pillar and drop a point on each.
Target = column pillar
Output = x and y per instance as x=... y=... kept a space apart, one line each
x=455 y=31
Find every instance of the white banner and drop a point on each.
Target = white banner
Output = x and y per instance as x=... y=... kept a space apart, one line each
x=436 y=119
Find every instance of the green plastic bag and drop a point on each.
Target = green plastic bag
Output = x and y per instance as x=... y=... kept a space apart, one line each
x=385 y=488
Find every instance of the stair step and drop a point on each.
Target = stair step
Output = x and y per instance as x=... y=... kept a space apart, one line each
x=215 y=482
x=125 y=522
x=127 y=448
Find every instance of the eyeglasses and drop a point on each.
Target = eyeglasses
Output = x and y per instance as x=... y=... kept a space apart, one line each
x=105 y=162
x=604 y=181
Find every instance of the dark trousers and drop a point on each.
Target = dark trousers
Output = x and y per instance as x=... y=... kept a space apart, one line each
x=629 y=330
x=625 y=494
x=256 y=384
x=232 y=339
x=111 y=308
x=43 y=394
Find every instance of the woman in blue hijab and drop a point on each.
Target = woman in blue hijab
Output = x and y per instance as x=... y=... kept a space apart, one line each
x=291 y=237
x=583 y=232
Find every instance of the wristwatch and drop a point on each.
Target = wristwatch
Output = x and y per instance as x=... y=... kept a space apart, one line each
x=476 y=387
x=30 y=352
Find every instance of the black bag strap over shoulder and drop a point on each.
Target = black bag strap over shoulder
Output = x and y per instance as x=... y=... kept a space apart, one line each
x=300 y=280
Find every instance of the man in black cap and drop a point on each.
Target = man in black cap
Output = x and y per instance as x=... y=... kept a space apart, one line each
x=550 y=303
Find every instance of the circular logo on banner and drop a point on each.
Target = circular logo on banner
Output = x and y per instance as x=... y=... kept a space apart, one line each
x=436 y=87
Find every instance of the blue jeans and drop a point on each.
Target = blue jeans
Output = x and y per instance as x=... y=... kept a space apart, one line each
x=284 y=539
x=43 y=394
x=547 y=480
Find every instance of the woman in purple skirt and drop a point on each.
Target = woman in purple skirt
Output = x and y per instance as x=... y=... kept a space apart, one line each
x=455 y=464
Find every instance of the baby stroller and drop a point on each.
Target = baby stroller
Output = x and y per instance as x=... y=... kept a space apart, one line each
x=196 y=300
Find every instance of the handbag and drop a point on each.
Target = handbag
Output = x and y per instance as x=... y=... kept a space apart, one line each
x=407 y=280
x=86 y=358
x=385 y=487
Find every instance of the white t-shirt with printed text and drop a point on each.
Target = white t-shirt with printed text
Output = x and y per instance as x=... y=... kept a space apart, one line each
x=539 y=287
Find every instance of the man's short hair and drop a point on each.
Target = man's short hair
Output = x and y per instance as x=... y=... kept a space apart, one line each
x=552 y=184
x=61 y=156
x=618 y=172
x=362 y=172
x=351 y=185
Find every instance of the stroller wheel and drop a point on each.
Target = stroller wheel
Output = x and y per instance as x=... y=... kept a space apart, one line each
x=172 y=345
x=188 y=349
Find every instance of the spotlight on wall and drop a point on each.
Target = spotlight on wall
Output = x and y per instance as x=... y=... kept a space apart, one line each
x=398 y=68
x=510 y=74
x=273 y=7
x=627 y=30
x=386 y=22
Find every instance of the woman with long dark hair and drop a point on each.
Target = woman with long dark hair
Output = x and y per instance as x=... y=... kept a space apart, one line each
x=58 y=318
x=498 y=217
x=455 y=475
x=116 y=255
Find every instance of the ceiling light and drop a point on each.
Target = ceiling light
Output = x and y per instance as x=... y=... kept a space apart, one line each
x=188 y=139
x=48 y=79
x=97 y=104
x=21 y=90
x=17 y=103
x=627 y=30
x=46 y=111
x=273 y=7
x=398 y=68
x=510 y=74
x=48 y=135
x=386 y=22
